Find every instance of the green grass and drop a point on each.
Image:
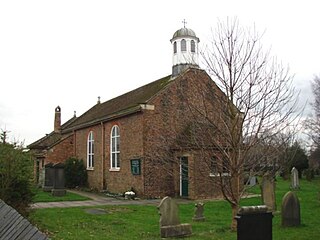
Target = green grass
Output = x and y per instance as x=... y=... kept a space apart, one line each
x=41 y=196
x=142 y=222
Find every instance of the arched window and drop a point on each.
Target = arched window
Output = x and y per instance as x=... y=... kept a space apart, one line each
x=175 y=47
x=90 y=151
x=115 y=147
x=183 y=45
x=193 y=46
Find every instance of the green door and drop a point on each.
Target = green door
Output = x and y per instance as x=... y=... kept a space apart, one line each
x=184 y=181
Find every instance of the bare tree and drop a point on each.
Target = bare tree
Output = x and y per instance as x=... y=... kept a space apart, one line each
x=223 y=123
x=261 y=100
x=312 y=124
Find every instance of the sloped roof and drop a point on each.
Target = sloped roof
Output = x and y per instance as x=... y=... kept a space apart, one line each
x=121 y=105
x=14 y=226
x=52 y=138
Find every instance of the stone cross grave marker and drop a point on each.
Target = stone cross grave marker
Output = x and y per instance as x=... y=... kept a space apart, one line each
x=294 y=178
x=169 y=220
x=198 y=213
x=268 y=192
x=290 y=210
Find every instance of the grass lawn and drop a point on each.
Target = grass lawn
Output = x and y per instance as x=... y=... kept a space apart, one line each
x=41 y=196
x=142 y=222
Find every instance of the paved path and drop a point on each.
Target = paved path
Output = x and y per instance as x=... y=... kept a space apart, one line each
x=98 y=200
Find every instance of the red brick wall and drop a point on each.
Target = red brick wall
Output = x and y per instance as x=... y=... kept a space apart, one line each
x=95 y=175
x=131 y=147
x=60 y=152
x=175 y=109
x=102 y=176
x=152 y=137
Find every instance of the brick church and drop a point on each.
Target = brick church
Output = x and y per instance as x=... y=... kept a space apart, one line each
x=148 y=139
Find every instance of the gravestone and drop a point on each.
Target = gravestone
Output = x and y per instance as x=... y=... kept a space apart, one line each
x=48 y=177
x=96 y=211
x=254 y=223
x=252 y=180
x=290 y=210
x=295 y=178
x=198 y=213
x=268 y=192
x=41 y=178
x=58 y=180
x=170 y=225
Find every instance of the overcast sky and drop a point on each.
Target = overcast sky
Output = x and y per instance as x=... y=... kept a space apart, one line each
x=68 y=53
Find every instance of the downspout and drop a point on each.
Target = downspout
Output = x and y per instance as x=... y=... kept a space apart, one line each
x=102 y=155
x=74 y=144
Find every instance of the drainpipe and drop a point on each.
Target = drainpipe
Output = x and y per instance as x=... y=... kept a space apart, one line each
x=74 y=144
x=102 y=154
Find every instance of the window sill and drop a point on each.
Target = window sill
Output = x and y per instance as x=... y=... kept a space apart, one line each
x=114 y=169
x=90 y=168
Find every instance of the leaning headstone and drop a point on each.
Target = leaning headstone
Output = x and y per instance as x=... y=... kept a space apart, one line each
x=268 y=192
x=169 y=220
x=198 y=213
x=295 y=179
x=290 y=210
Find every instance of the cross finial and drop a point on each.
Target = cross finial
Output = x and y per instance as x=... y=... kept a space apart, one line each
x=184 y=23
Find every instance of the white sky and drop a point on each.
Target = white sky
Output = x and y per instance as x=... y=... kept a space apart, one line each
x=68 y=53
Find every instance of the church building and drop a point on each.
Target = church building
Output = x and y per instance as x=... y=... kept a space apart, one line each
x=154 y=139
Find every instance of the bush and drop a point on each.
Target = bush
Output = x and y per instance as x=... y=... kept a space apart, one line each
x=309 y=174
x=15 y=177
x=76 y=173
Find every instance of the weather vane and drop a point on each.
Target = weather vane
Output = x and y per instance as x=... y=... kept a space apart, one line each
x=184 y=23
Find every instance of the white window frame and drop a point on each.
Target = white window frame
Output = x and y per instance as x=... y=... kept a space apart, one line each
x=115 y=151
x=90 y=151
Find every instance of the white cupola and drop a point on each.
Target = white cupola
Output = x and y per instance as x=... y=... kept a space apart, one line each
x=185 y=50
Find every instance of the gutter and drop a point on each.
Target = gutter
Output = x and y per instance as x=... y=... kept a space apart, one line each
x=129 y=111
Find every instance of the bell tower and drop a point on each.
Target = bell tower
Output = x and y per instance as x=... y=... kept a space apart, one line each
x=185 y=50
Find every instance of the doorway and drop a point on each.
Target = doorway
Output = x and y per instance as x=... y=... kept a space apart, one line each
x=184 y=178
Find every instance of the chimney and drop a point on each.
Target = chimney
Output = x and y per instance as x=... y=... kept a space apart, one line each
x=57 y=120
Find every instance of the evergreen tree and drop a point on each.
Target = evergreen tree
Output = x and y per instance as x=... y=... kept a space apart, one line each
x=15 y=175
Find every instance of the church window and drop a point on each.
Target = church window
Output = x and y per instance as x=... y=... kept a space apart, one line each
x=214 y=167
x=115 y=148
x=219 y=167
x=90 y=151
x=193 y=46
x=183 y=45
x=175 y=47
